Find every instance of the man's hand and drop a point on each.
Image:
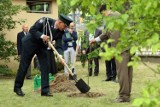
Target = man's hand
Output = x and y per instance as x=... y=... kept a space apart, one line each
x=83 y=52
x=93 y=41
x=45 y=38
x=70 y=30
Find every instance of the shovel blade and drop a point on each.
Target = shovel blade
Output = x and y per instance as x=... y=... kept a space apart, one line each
x=82 y=86
x=74 y=77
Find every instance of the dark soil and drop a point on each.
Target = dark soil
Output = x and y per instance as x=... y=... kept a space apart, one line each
x=61 y=83
x=88 y=94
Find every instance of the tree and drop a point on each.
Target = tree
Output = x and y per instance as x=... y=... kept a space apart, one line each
x=139 y=27
x=7 y=11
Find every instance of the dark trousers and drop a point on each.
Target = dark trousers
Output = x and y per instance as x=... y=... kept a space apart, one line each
x=52 y=62
x=111 y=69
x=96 y=68
x=36 y=63
x=28 y=72
x=30 y=48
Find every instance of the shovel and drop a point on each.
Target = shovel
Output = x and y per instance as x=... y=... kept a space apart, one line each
x=80 y=84
x=75 y=56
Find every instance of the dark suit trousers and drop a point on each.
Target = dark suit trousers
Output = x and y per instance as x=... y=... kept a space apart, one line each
x=124 y=76
x=30 y=48
x=96 y=68
x=52 y=62
x=111 y=68
x=28 y=71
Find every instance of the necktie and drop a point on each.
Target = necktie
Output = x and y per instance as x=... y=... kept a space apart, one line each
x=25 y=33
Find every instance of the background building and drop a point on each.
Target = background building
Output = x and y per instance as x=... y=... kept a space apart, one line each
x=37 y=9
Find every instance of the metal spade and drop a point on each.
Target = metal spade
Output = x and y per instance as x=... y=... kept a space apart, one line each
x=80 y=84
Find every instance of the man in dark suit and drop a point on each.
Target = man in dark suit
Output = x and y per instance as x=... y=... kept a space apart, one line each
x=20 y=35
x=43 y=30
x=91 y=49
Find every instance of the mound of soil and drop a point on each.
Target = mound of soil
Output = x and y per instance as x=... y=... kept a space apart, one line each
x=62 y=83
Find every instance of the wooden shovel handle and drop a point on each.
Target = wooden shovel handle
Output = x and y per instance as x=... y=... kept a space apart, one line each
x=53 y=48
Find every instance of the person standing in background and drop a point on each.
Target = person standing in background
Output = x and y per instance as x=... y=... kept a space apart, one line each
x=69 y=39
x=91 y=48
x=124 y=72
x=20 y=35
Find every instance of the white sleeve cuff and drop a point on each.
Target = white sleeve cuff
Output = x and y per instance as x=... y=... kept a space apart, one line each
x=42 y=35
x=97 y=39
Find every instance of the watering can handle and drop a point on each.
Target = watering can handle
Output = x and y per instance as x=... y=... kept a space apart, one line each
x=53 y=48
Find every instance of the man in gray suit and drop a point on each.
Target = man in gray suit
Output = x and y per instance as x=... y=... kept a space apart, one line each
x=124 y=72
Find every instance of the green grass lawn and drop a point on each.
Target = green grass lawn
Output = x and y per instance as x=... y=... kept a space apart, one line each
x=141 y=75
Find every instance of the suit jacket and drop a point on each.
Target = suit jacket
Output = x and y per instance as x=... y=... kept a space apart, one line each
x=96 y=34
x=42 y=27
x=20 y=35
x=111 y=34
x=72 y=39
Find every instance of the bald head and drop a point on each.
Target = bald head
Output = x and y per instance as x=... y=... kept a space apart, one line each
x=25 y=28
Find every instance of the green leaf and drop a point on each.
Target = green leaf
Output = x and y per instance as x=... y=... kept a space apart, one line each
x=133 y=49
x=92 y=9
x=58 y=2
x=110 y=40
x=119 y=58
x=148 y=6
x=137 y=1
x=155 y=37
x=125 y=17
x=120 y=21
x=73 y=2
x=145 y=93
x=110 y=25
x=138 y=102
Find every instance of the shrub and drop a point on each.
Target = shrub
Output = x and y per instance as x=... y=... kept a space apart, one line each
x=4 y=70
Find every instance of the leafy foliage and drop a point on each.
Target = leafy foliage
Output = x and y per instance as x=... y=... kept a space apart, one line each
x=5 y=70
x=150 y=96
x=7 y=48
x=139 y=27
x=7 y=11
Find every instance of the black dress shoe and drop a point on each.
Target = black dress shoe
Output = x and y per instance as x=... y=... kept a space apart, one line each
x=108 y=79
x=119 y=100
x=19 y=92
x=29 y=78
x=47 y=94
x=95 y=74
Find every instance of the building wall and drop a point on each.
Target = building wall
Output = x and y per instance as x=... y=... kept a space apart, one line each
x=30 y=19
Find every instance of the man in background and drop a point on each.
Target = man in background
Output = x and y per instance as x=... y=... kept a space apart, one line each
x=20 y=35
x=69 y=46
x=124 y=72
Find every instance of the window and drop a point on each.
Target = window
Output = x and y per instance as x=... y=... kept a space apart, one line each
x=39 y=6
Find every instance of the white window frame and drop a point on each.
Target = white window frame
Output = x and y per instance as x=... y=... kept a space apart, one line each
x=32 y=3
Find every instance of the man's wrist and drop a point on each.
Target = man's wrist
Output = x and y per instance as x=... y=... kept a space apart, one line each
x=97 y=39
x=42 y=36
